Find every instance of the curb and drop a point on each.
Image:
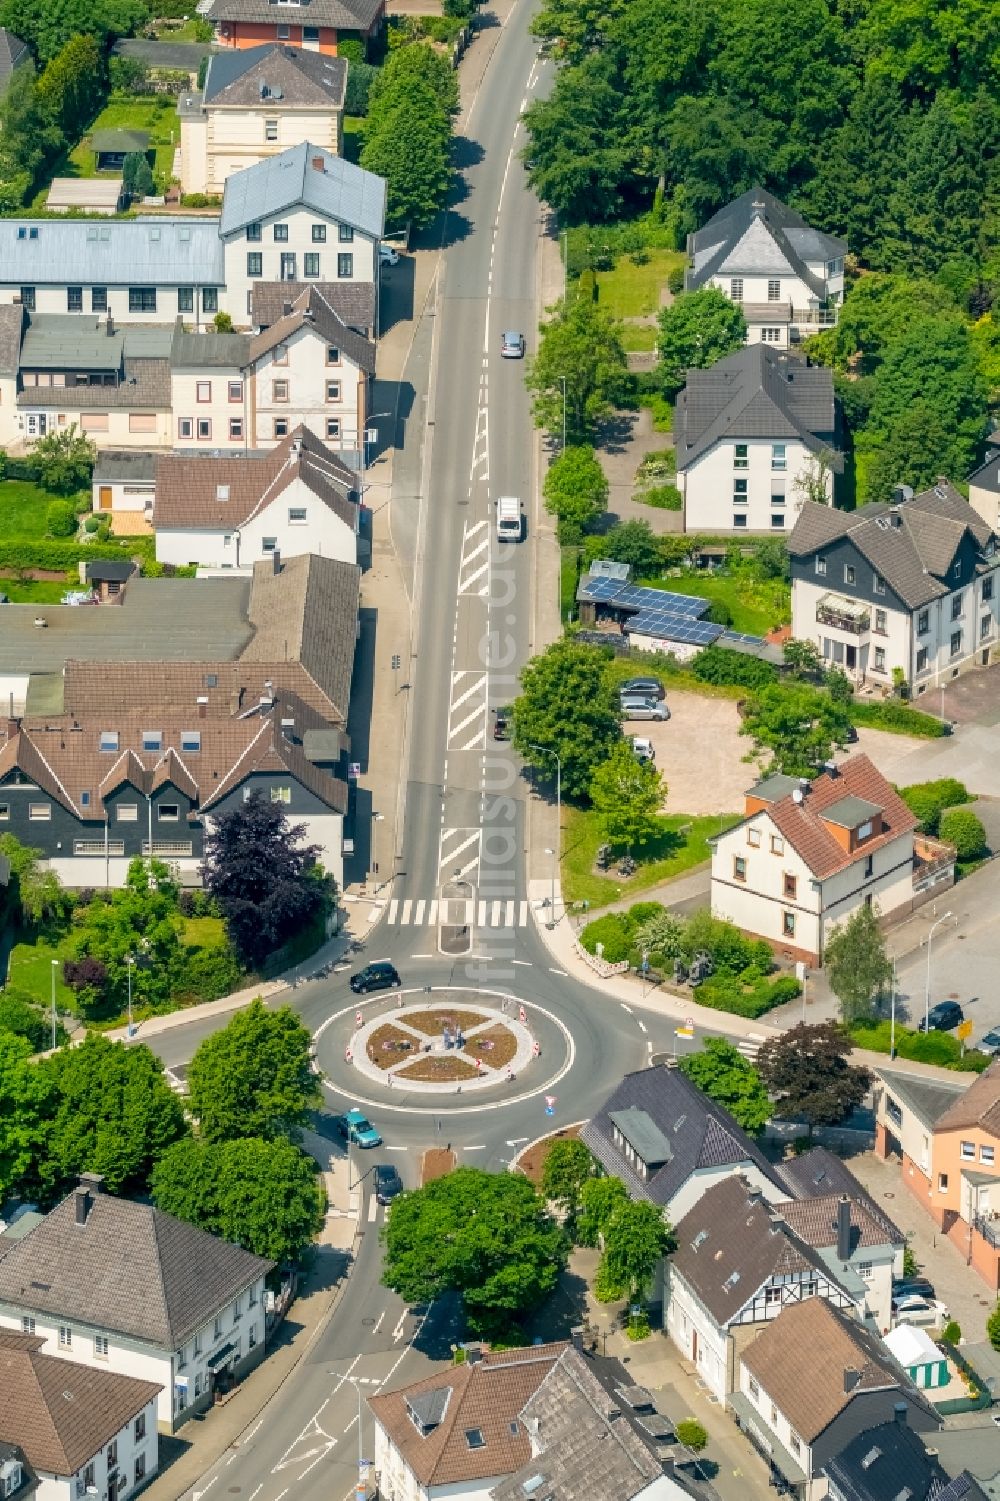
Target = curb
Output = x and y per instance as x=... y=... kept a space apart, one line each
x=514 y=1166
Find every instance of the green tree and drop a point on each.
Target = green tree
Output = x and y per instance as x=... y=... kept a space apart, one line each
x=928 y=48
x=720 y=1071
x=578 y=27
x=695 y=331
x=254 y=1077
x=575 y=491
x=580 y=346
x=878 y=311
x=963 y=829
x=114 y=1114
x=568 y=706
x=65 y=460
x=411 y=68
x=266 y=1196
x=857 y=965
x=600 y=1201
x=484 y=1235
x=808 y=1072
x=140 y=922
x=627 y=795
x=631 y=542
x=569 y=1164
x=635 y=1242
x=137 y=176
x=60 y=519
x=28 y=138
x=993 y=1328
x=409 y=144
x=936 y=205
x=661 y=934
x=909 y=455
x=20 y=1014
x=798 y=724
x=34 y=895
x=26 y=1106
x=72 y=86
x=928 y=800
x=49 y=24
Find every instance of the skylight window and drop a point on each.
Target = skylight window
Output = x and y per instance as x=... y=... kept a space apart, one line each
x=474 y=1438
x=870 y=1458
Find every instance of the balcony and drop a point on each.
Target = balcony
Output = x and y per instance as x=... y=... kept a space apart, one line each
x=815 y=317
x=98 y=847
x=989 y=1229
x=843 y=614
x=173 y=849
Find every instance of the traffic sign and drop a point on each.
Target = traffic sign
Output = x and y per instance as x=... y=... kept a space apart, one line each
x=964 y=1030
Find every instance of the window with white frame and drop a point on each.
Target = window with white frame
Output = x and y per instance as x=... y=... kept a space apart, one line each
x=27 y=1325
x=297 y=515
x=774 y=289
x=40 y=812
x=65 y=1337
x=969 y=1151
x=770 y=335
x=281 y=794
x=820 y=566
x=101 y=1346
x=741 y=492
x=741 y=455
x=987 y=1154
x=185 y=427
x=204 y=427
x=127 y=813
x=736 y=288
x=333 y=390
x=879 y=659
x=778 y=458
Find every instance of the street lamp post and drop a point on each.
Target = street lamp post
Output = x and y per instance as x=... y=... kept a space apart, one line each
x=129 y=963
x=558 y=850
x=562 y=380
x=377 y=818
x=927 y=982
x=54 y=1022
x=361 y=1487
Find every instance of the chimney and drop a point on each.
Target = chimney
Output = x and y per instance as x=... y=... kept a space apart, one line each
x=318 y=164
x=286 y=309
x=844 y=1228
x=89 y=1187
x=899 y=1414
x=276 y=562
x=110 y=326
x=830 y=767
x=851 y=1378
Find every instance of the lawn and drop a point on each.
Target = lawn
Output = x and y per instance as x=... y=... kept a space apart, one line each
x=681 y=845
x=191 y=30
x=23 y=509
x=31 y=970
x=757 y=606
x=629 y=290
x=156 y=115
x=32 y=592
x=639 y=337
x=203 y=932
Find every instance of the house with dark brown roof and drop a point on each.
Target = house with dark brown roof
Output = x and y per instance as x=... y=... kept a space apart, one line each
x=738 y=1262
x=908 y=586
x=256 y=101
x=504 y=1425
x=889 y=1462
x=810 y=1382
x=947 y=1141
x=17 y=1479
x=312 y=24
x=115 y=1290
x=229 y=511
x=80 y=1429
x=808 y=854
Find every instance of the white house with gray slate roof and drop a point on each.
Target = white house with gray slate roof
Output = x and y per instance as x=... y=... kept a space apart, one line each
x=749 y=433
x=909 y=586
x=118 y=1285
x=787 y=277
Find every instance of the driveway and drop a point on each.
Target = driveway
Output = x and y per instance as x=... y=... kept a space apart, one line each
x=963 y=1292
x=965 y=953
x=699 y=754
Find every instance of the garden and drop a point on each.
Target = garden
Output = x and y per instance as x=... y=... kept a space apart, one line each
x=728 y=971
x=154 y=115
x=679 y=844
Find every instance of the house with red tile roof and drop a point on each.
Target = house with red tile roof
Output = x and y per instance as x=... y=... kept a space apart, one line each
x=808 y=854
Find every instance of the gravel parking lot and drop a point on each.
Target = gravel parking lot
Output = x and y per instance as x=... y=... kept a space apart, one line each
x=699 y=753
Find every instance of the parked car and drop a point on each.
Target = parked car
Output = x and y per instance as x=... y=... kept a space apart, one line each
x=942 y=1017
x=356 y=1127
x=914 y=1310
x=388 y=1183
x=512 y=346
x=991 y=1042
x=642 y=749
x=644 y=708
x=642 y=688
x=918 y=1287
x=501 y=723
x=387 y=256
x=378 y=976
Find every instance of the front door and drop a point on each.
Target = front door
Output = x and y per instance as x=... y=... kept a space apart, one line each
x=851 y=656
x=36 y=424
x=694 y=1345
x=105 y=502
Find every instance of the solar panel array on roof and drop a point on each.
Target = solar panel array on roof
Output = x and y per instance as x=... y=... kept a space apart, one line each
x=626 y=596
x=728 y=636
x=672 y=627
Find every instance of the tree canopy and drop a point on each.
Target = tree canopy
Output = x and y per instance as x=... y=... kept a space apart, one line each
x=264 y=878
x=720 y=1070
x=254 y=1078
x=266 y=1196
x=695 y=331
x=484 y=1235
x=857 y=966
x=567 y=705
x=407 y=138
x=627 y=794
x=575 y=491
x=798 y=724
x=635 y=1240
x=568 y=1166
x=807 y=1069
x=580 y=356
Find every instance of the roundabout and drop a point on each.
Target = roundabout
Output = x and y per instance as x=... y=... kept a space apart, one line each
x=421 y=1048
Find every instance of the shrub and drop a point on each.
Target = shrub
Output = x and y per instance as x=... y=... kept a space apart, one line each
x=692 y=1435
x=360 y=76
x=85 y=974
x=951 y=1334
x=731 y=951
x=91 y=524
x=675 y=280
x=718 y=665
x=742 y=997
x=719 y=613
x=961 y=827
x=352 y=48
x=663 y=497
x=993 y=1328
x=890 y=714
x=208 y=973
x=587 y=285
x=20 y=1014
x=60 y=519
x=932 y=1047
x=125 y=74
x=199 y=200
x=928 y=800
x=223 y=323
x=610 y=930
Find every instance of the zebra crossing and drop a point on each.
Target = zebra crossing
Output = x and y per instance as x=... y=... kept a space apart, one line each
x=459 y=853
x=419 y=912
x=474 y=567
x=751 y=1046
x=468 y=711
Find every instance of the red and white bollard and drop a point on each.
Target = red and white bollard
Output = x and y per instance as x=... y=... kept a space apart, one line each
x=522 y=1015
x=358 y=1019
x=536 y=1050
x=348 y=1056
x=479 y=1065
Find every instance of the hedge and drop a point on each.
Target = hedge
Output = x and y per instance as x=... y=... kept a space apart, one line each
x=940 y=1048
x=733 y=994
x=716 y=664
x=890 y=714
x=928 y=800
x=25 y=555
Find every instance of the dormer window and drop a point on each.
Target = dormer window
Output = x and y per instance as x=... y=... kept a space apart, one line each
x=864 y=831
x=152 y=740
x=190 y=740
x=109 y=740
x=474 y=1438
x=222 y=492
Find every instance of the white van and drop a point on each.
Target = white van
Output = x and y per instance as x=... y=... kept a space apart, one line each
x=509 y=524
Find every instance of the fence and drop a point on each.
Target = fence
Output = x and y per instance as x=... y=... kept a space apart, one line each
x=600 y=966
